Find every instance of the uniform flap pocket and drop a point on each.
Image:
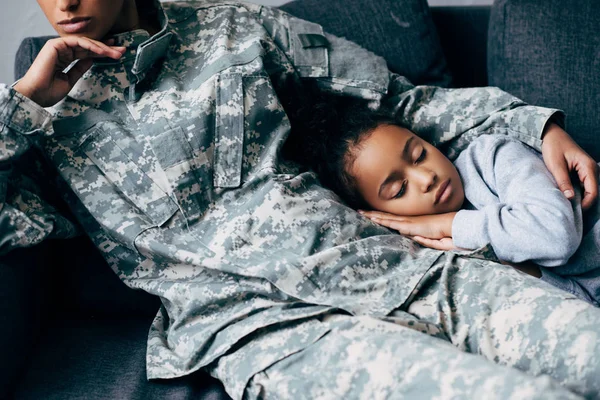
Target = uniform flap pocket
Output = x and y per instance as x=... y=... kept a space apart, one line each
x=310 y=48
x=227 y=60
x=128 y=178
x=82 y=123
x=187 y=171
x=172 y=148
x=229 y=131
x=309 y=40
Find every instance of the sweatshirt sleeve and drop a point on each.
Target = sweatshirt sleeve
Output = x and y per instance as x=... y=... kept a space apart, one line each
x=520 y=210
x=25 y=218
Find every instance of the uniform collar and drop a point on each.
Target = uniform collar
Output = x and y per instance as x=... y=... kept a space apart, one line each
x=144 y=49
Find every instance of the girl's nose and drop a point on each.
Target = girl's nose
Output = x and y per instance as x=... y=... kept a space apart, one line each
x=424 y=178
x=68 y=5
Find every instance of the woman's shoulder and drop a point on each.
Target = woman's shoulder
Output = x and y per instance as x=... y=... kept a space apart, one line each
x=182 y=11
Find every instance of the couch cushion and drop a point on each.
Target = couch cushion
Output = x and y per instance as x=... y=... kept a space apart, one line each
x=402 y=32
x=547 y=52
x=463 y=35
x=24 y=308
x=86 y=285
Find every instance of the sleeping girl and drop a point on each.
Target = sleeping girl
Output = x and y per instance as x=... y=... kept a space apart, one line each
x=498 y=192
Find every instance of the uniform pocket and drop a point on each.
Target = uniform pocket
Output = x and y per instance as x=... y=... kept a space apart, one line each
x=309 y=48
x=128 y=178
x=229 y=131
x=109 y=172
x=339 y=65
x=188 y=171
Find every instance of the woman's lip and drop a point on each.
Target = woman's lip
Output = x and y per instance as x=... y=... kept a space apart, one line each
x=443 y=192
x=75 y=25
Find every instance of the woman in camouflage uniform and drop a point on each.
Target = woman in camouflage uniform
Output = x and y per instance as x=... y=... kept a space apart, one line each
x=167 y=136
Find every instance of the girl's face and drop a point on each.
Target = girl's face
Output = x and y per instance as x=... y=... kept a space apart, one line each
x=94 y=19
x=398 y=172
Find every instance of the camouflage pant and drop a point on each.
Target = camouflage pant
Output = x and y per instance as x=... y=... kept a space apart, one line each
x=463 y=328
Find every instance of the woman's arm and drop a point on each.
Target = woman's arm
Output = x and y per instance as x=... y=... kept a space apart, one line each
x=453 y=117
x=25 y=219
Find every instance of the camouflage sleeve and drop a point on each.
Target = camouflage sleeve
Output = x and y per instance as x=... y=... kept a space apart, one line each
x=442 y=116
x=454 y=117
x=25 y=219
x=336 y=65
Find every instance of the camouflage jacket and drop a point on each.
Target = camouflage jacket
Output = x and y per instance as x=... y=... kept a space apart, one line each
x=172 y=159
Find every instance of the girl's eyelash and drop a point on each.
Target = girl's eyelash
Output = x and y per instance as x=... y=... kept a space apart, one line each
x=401 y=191
x=403 y=188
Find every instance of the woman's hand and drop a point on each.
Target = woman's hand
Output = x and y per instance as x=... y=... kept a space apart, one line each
x=562 y=156
x=45 y=82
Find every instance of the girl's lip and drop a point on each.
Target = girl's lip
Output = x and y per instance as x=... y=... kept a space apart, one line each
x=75 y=25
x=443 y=193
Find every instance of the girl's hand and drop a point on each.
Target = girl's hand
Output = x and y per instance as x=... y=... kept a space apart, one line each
x=561 y=156
x=45 y=82
x=437 y=226
x=439 y=244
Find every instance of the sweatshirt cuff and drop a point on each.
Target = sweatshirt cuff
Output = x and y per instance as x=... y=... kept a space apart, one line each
x=528 y=124
x=22 y=114
x=468 y=230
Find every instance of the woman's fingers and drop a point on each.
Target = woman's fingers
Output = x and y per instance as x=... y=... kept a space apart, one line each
x=563 y=179
x=557 y=165
x=563 y=156
x=45 y=83
x=588 y=176
x=81 y=47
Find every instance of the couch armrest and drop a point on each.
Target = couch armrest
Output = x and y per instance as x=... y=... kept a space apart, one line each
x=24 y=306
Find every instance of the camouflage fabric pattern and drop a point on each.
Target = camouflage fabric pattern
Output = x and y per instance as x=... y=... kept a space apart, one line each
x=172 y=156
x=461 y=313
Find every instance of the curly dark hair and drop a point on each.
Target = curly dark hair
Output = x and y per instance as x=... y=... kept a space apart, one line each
x=329 y=136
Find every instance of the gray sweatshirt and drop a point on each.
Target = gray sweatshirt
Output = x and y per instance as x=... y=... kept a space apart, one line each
x=515 y=204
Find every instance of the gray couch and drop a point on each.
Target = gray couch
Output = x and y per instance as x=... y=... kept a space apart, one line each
x=72 y=330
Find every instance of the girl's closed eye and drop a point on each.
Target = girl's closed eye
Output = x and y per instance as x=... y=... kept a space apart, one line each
x=421 y=156
x=401 y=191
